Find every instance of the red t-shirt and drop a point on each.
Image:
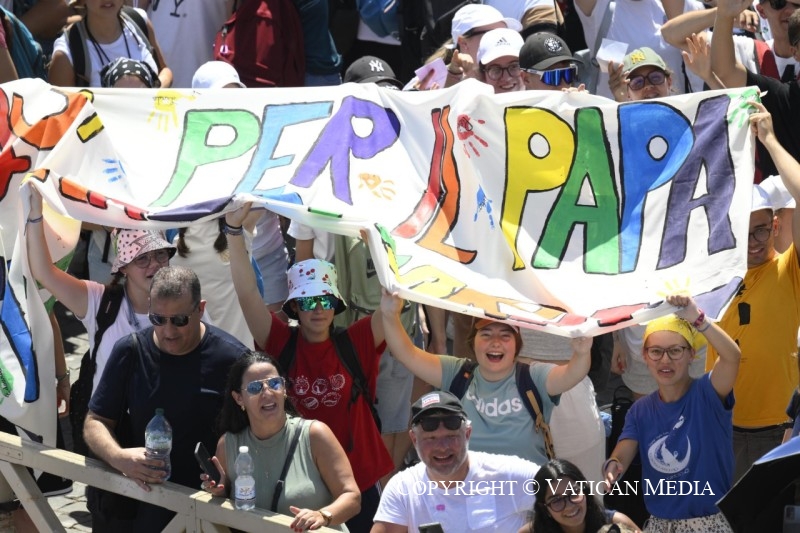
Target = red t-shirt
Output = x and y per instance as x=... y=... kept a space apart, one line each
x=321 y=391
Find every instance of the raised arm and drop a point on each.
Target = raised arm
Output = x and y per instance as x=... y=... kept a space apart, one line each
x=564 y=377
x=256 y=314
x=70 y=291
x=723 y=59
x=676 y=30
x=788 y=167
x=697 y=57
x=619 y=461
x=424 y=365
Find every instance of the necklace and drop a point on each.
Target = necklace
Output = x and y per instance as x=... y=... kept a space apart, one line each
x=98 y=48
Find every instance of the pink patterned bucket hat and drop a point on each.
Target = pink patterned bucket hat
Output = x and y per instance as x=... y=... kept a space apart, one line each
x=312 y=277
x=131 y=243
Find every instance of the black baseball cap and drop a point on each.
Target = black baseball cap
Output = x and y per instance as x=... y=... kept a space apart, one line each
x=543 y=50
x=436 y=401
x=371 y=69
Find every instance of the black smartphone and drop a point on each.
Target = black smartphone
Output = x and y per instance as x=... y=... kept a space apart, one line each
x=204 y=460
x=435 y=527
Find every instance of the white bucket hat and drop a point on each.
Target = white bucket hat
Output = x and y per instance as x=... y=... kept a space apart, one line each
x=131 y=243
x=312 y=277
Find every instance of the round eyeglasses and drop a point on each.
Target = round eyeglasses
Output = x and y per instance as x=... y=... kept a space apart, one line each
x=495 y=72
x=656 y=78
x=559 y=503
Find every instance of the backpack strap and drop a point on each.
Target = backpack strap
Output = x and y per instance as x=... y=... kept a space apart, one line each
x=286 y=358
x=460 y=383
x=139 y=27
x=765 y=59
x=276 y=495
x=107 y=313
x=76 y=40
x=532 y=400
x=347 y=355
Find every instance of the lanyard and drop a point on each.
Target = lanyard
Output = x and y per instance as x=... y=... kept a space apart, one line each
x=133 y=320
x=104 y=59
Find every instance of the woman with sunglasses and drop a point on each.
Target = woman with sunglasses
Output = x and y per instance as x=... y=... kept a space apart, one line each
x=565 y=504
x=319 y=488
x=683 y=432
x=644 y=76
x=323 y=385
x=140 y=254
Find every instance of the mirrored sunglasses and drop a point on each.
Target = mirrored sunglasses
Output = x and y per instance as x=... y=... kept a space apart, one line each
x=274 y=384
x=309 y=303
x=556 y=76
x=178 y=321
x=432 y=423
x=656 y=78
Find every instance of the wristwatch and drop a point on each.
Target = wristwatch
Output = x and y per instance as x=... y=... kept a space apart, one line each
x=327 y=515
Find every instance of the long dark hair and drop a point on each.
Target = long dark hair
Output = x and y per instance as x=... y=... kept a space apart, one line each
x=231 y=417
x=559 y=469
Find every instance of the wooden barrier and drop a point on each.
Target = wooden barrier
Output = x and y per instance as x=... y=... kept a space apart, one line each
x=196 y=510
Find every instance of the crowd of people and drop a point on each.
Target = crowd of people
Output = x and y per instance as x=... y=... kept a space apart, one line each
x=376 y=409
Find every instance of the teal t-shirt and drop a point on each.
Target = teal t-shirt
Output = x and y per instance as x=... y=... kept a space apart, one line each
x=500 y=421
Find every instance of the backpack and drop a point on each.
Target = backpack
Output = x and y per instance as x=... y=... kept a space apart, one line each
x=25 y=52
x=77 y=38
x=531 y=398
x=81 y=390
x=263 y=40
x=347 y=355
x=427 y=25
x=380 y=15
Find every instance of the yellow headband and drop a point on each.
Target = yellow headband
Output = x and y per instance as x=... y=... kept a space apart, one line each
x=676 y=325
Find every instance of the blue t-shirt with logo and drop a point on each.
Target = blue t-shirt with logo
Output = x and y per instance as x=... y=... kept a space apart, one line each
x=686 y=449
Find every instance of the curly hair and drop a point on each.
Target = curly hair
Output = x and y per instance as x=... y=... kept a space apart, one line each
x=542 y=521
x=231 y=417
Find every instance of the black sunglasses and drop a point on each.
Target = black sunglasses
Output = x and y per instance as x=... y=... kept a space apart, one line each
x=178 y=321
x=777 y=5
x=432 y=423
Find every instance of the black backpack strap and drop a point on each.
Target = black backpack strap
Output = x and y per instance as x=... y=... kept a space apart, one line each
x=460 y=383
x=347 y=355
x=76 y=40
x=139 y=27
x=276 y=495
x=286 y=358
x=533 y=401
x=107 y=313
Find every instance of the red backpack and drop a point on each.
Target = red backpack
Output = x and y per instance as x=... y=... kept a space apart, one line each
x=263 y=40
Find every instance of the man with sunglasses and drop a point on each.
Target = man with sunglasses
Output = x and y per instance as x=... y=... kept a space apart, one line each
x=179 y=364
x=461 y=490
x=547 y=63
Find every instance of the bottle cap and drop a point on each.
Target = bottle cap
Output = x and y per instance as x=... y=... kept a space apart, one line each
x=243 y=449
x=160 y=411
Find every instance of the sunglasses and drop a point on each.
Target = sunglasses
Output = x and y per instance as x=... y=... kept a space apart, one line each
x=777 y=5
x=309 y=303
x=656 y=353
x=178 y=321
x=432 y=423
x=656 y=77
x=144 y=260
x=559 y=503
x=555 y=77
x=275 y=384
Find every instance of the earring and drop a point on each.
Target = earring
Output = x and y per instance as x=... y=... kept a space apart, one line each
x=242 y=406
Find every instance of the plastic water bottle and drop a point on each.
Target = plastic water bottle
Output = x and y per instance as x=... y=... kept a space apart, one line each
x=245 y=486
x=158 y=440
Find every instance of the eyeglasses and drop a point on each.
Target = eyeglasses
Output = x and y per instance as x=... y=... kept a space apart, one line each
x=760 y=234
x=556 y=76
x=656 y=78
x=495 y=72
x=656 y=353
x=274 y=384
x=144 y=260
x=777 y=5
x=559 y=503
x=432 y=423
x=178 y=321
x=309 y=303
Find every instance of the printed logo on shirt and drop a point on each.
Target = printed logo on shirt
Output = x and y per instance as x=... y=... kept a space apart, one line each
x=670 y=453
x=493 y=408
x=322 y=391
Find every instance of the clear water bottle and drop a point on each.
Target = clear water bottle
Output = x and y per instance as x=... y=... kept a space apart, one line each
x=245 y=486
x=158 y=440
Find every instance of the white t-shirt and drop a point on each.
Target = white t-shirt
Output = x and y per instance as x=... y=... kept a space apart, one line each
x=268 y=236
x=503 y=506
x=516 y=9
x=127 y=45
x=323 y=240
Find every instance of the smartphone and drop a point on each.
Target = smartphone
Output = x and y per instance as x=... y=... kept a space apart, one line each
x=435 y=527
x=791 y=519
x=204 y=460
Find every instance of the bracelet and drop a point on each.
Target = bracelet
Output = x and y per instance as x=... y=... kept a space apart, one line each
x=700 y=319
x=62 y=377
x=451 y=73
x=708 y=325
x=227 y=229
x=36 y=220
x=609 y=461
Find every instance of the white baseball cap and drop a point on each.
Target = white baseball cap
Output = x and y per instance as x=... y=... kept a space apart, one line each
x=477 y=15
x=779 y=195
x=760 y=199
x=215 y=75
x=499 y=43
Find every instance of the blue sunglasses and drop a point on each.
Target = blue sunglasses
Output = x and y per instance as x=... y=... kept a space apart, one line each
x=555 y=77
x=309 y=303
